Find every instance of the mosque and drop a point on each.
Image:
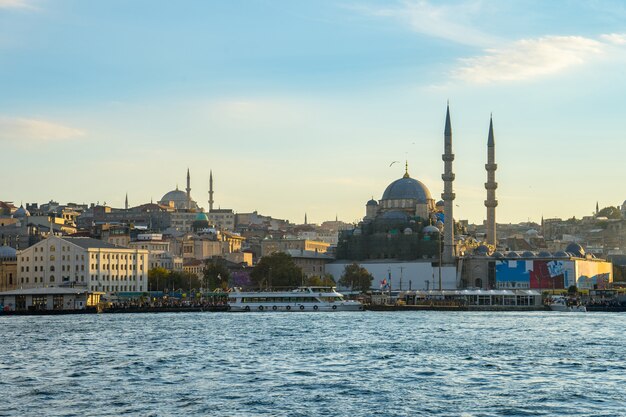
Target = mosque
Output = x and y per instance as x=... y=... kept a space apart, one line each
x=180 y=200
x=407 y=233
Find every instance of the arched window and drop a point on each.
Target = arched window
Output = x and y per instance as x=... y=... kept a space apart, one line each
x=52 y=257
x=51 y=278
x=479 y=282
x=52 y=248
x=51 y=269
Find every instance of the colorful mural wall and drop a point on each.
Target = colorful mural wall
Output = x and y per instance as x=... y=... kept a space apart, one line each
x=553 y=274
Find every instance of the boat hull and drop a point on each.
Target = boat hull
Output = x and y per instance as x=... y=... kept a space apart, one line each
x=296 y=307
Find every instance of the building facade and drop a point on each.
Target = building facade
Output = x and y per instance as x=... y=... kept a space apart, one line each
x=82 y=262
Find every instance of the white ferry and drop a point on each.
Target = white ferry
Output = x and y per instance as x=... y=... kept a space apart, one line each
x=300 y=299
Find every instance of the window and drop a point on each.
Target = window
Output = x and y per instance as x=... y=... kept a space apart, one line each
x=57 y=302
x=51 y=278
x=52 y=257
x=51 y=268
x=52 y=248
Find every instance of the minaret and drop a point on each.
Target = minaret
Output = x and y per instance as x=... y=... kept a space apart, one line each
x=491 y=203
x=305 y=219
x=211 y=191
x=448 y=194
x=188 y=190
x=126 y=202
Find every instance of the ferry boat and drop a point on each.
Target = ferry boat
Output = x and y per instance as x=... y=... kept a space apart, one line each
x=300 y=299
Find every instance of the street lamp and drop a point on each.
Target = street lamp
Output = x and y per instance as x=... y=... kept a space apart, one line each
x=439 y=246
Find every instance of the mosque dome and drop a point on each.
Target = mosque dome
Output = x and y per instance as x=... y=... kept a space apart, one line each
x=408 y=231
x=201 y=217
x=175 y=196
x=440 y=203
x=21 y=212
x=512 y=255
x=545 y=254
x=561 y=254
x=528 y=254
x=407 y=188
x=498 y=255
x=372 y=202
x=7 y=252
x=576 y=250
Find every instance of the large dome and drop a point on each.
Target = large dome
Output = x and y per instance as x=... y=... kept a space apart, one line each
x=179 y=198
x=407 y=188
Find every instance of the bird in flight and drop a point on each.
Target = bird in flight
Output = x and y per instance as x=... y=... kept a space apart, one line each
x=393 y=163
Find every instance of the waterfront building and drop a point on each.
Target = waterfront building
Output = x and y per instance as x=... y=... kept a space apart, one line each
x=8 y=268
x=48 y=299
x=82 y=262
x=536 y=270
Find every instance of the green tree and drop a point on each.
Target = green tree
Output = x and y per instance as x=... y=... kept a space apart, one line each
x=356 y=278
x=610 y=213
x=321 y=281
x=216 y=274
x=183 y=281
x=157 y=278
x=276 y=270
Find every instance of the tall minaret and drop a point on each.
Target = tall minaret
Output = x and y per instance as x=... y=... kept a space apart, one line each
x=305 y=219
x=491 y=203
x=448 y=194
x=188 y=190
x=211 y=191
x=126 y=202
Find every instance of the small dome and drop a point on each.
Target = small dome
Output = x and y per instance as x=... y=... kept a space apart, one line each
x=528 y=254
x=544 y=254
x=7 y=252
x=498 y=255
x=357 y=232
x=561 y=254
x=430 y=229
x=202 y=217
x=512 y=255
x=407 y=188
x=576 y=250
x=395 y=215
x=408 y=231
x=21 y=212
x=440 y=203
x=372 y=202
x=532 y=232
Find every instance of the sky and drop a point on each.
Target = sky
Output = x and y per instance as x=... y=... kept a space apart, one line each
x=303 y=107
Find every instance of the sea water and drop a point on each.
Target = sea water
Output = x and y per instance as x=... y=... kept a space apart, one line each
x=314 y=364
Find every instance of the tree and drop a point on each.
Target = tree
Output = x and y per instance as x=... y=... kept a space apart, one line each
x=276 y=270
x=610 y=213
x=324 y=281
x=356 y=278
x=183 y=281
x=216 y=274
x=157 y=278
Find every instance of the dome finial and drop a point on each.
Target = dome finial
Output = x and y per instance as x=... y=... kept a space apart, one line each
x=406 y=170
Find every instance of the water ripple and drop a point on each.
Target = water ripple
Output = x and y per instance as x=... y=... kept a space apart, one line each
x=324 y=364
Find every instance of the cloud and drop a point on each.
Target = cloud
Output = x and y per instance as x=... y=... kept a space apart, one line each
x=17 y=4
x=529 y=58
x=447 y=22
x=615 y=38
x=23 y=130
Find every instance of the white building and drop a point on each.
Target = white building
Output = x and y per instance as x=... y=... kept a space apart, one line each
x=82 y=261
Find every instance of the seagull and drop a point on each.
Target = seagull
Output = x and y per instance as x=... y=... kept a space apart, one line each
x=393 y=163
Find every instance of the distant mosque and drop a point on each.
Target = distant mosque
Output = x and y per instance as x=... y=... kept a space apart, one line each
x=180 y=200
x=407 y=223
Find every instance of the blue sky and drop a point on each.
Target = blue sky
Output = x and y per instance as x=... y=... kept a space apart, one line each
x=302 y=106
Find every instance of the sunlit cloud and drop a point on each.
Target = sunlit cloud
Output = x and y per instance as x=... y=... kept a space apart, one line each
x=23 y=130
x=615 y=38
x=529 y=58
